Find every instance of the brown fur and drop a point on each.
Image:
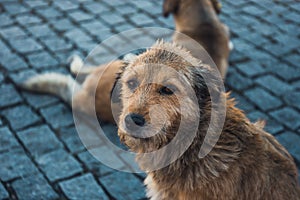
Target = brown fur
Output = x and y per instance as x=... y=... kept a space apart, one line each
x=198 y=20
x=246 y=162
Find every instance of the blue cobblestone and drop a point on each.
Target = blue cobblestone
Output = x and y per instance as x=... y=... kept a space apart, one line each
x=250 y=68
x=132 y=188
x=7 y=140
x=96 y=7
x=264 y=100
x=13 y=62
x=28 y=19
x=80 y=16
x=42 y=60
x=63 y=24
x=15 y=8
x=39 y=140
x=26 y=45
x=70 y=137
x=36 y=4
x=293 y=99
x=58 y=165
x=83 y=187
x=56 y=44
x=66 y=5
x=5 y=20
x=39 y=101
x=14 y=164
x=49 y=12
x=33 y=187
x=288 y=117
x=291 y=142
x=93 y=164
x=40 y=30
x=12 y=32
x=112 y=19
x=9 y=95
x=58 y=116
x=273 y=84
x=3 y=193
x=237 y=81
x=20 y=116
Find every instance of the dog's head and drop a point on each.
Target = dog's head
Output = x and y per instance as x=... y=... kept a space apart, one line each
x=160 y=89
x=173 y=6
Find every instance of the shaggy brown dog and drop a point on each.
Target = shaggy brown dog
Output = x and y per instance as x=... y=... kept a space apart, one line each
x=246 y=162
x=198 y=19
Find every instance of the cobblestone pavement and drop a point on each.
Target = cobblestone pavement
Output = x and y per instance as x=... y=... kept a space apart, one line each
x=41 y=156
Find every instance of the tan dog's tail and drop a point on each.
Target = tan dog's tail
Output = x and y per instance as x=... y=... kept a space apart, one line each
x=59 y=85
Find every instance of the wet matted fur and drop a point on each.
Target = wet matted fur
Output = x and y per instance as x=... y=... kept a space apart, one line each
x=246 y=162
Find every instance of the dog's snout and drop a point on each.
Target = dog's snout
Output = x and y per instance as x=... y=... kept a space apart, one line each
x=134 y=121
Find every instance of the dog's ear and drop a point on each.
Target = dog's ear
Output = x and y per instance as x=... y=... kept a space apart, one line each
x=115 y=93
x=207 y=83
x=170 y=6
x=217 y=6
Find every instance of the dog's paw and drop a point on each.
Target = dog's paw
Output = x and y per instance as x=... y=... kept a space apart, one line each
x=76 y=64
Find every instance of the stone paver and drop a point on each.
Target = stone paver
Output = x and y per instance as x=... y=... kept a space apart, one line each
x=41 y=154
x=83 y=187
x=34 y=187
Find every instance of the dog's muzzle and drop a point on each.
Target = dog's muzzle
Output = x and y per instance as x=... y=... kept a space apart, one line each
x=134 y=122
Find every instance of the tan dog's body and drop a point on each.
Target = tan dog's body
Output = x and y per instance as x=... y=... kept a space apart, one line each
x=198 y=20
x=246 y=163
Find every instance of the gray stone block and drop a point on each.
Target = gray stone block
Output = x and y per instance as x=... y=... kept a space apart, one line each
x=58 y=115
x=57 y=44
x=42 y=60
x=7 y=140
x=20 y=117
x=71 y=139
x=39 y=140
x=25 y=45
x=123 y=185
x=291 y=142
x=94 y=165
x=83 y=187
x=288 y=117
x=33 y=187
x=80 y=16
x=273 y=84
x=58 y=165
x=49 y=12
x=28 y=19
x=263 y=99
x=13 y=62
x=14 y=164
x=9 y=95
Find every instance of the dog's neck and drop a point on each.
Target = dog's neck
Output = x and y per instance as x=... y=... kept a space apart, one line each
x=202 y=13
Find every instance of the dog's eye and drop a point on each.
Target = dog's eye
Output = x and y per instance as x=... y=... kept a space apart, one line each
x=166 y=90
x=132 y=84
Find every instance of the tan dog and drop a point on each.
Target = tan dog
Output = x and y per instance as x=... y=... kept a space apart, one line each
x=198 y=19
x=208 y=32
x=246 y=163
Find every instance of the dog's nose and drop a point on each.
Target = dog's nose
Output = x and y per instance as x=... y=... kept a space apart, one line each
x=134 y=121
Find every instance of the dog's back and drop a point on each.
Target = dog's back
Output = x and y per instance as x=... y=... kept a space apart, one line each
x=198 y=20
